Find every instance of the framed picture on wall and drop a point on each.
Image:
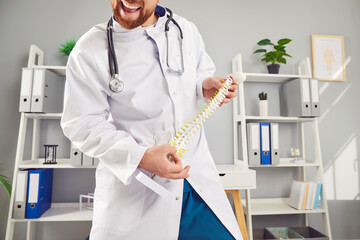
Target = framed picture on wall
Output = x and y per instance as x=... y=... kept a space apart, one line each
x=328 y=57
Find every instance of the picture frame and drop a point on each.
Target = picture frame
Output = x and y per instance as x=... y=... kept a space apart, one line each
x=328 y=57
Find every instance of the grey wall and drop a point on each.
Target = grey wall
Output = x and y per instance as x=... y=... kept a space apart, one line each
x=228 y=27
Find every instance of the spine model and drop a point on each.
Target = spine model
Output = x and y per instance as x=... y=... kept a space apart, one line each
x=183 y=135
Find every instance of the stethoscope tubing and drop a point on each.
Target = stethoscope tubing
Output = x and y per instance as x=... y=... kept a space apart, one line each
x=116 y=85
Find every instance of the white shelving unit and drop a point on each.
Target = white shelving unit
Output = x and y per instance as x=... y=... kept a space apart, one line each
x=58 y=212
x=276 y=206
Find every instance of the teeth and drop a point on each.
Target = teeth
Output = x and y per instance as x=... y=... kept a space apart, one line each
x=131 y=7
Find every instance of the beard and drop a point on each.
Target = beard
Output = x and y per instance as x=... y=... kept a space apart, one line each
x=126 y=23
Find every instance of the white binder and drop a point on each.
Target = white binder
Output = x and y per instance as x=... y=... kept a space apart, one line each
x=86 y=160
x=96 y=161
x=274 y=132
x=47 y=92
x=26 y=90
x=75 y=156
x=253 y=131
x=295 y=98
x=314 y=92
x=20 y=195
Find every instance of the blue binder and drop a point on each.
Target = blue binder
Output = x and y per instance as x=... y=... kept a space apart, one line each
x=39 y=192
x=265 y=155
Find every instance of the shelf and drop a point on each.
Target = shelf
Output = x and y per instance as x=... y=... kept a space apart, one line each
x=43 y=115
x=285 y=162
x=61 y=163
x=62 y=212
x=270 y=78
x=275 y=119
x=275 y=206
x=61 y=70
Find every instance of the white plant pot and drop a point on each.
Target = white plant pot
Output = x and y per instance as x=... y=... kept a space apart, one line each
x=263 y=108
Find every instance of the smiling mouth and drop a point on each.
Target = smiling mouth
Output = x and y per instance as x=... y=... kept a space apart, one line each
x=129 y=8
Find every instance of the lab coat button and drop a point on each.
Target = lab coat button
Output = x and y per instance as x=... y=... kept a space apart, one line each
x=177 y=198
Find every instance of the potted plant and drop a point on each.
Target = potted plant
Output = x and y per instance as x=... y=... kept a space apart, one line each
x=263 y=104
x=67 y=47
x=4 y=181
x=275 y=56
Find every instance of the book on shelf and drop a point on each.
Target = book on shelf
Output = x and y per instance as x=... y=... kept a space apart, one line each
x=305 y=195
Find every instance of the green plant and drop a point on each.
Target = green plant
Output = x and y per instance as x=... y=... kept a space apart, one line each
x=263 y=96
x=67 y=47
x=4 y=181
x=278 y=53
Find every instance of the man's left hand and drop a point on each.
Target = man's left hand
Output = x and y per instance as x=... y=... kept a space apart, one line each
x=211 y=84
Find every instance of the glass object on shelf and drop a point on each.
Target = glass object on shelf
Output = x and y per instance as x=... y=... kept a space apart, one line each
x=295 y=153
x=50 y=154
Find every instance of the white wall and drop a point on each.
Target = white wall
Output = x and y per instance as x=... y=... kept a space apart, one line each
x=228 y=27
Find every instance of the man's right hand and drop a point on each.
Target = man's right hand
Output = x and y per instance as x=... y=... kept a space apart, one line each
x=155 y=160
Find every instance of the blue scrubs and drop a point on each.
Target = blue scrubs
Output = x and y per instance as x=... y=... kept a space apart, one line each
x=197 y=219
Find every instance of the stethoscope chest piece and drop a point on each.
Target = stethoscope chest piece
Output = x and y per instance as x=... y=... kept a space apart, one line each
x=116 y=85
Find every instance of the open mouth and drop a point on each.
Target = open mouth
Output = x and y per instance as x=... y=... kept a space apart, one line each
x=129 y=8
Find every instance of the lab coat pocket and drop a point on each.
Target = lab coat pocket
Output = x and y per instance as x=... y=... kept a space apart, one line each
x=120 y=209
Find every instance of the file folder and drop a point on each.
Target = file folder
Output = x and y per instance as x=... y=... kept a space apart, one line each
x=75 y=156
x=26 y=90
x=265 y=157
x=86 y=160
x=96 y=161
x=20 y=195
x=253 y=131
x=39 y=192
x=314 y=92
x=274 y=132
x=318 y=195
x=295 y=98
x=47 y=92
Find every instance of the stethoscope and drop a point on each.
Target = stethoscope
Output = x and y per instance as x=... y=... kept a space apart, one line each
x=116 y=85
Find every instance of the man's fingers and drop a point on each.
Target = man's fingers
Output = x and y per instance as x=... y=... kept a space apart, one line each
x=184 y=173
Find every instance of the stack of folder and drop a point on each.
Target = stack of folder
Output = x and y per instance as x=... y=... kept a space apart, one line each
x=263 y=143
x=33 y=193
x=300 y=98
x=41 y=91
x=305 y=195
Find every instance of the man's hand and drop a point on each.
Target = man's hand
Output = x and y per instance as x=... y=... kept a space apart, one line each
x=155 y=160
x=211 y=84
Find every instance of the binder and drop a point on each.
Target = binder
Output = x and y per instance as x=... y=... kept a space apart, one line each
x=265 y=157
x=39 y=192
x=86 y=160
x=274 y=132
x=253 y=131
x=75 y=156
x=295 y=98
x=96 y=161
x=20 y=195
x=26 y=90
x=47 y=92
x=314 y=93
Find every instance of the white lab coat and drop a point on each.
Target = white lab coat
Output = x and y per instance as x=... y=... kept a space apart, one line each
x=117 y=128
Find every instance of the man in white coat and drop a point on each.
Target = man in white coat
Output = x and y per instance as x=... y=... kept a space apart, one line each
x=120 y=128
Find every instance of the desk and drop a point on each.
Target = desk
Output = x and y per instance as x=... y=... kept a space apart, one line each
x=234 y=179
